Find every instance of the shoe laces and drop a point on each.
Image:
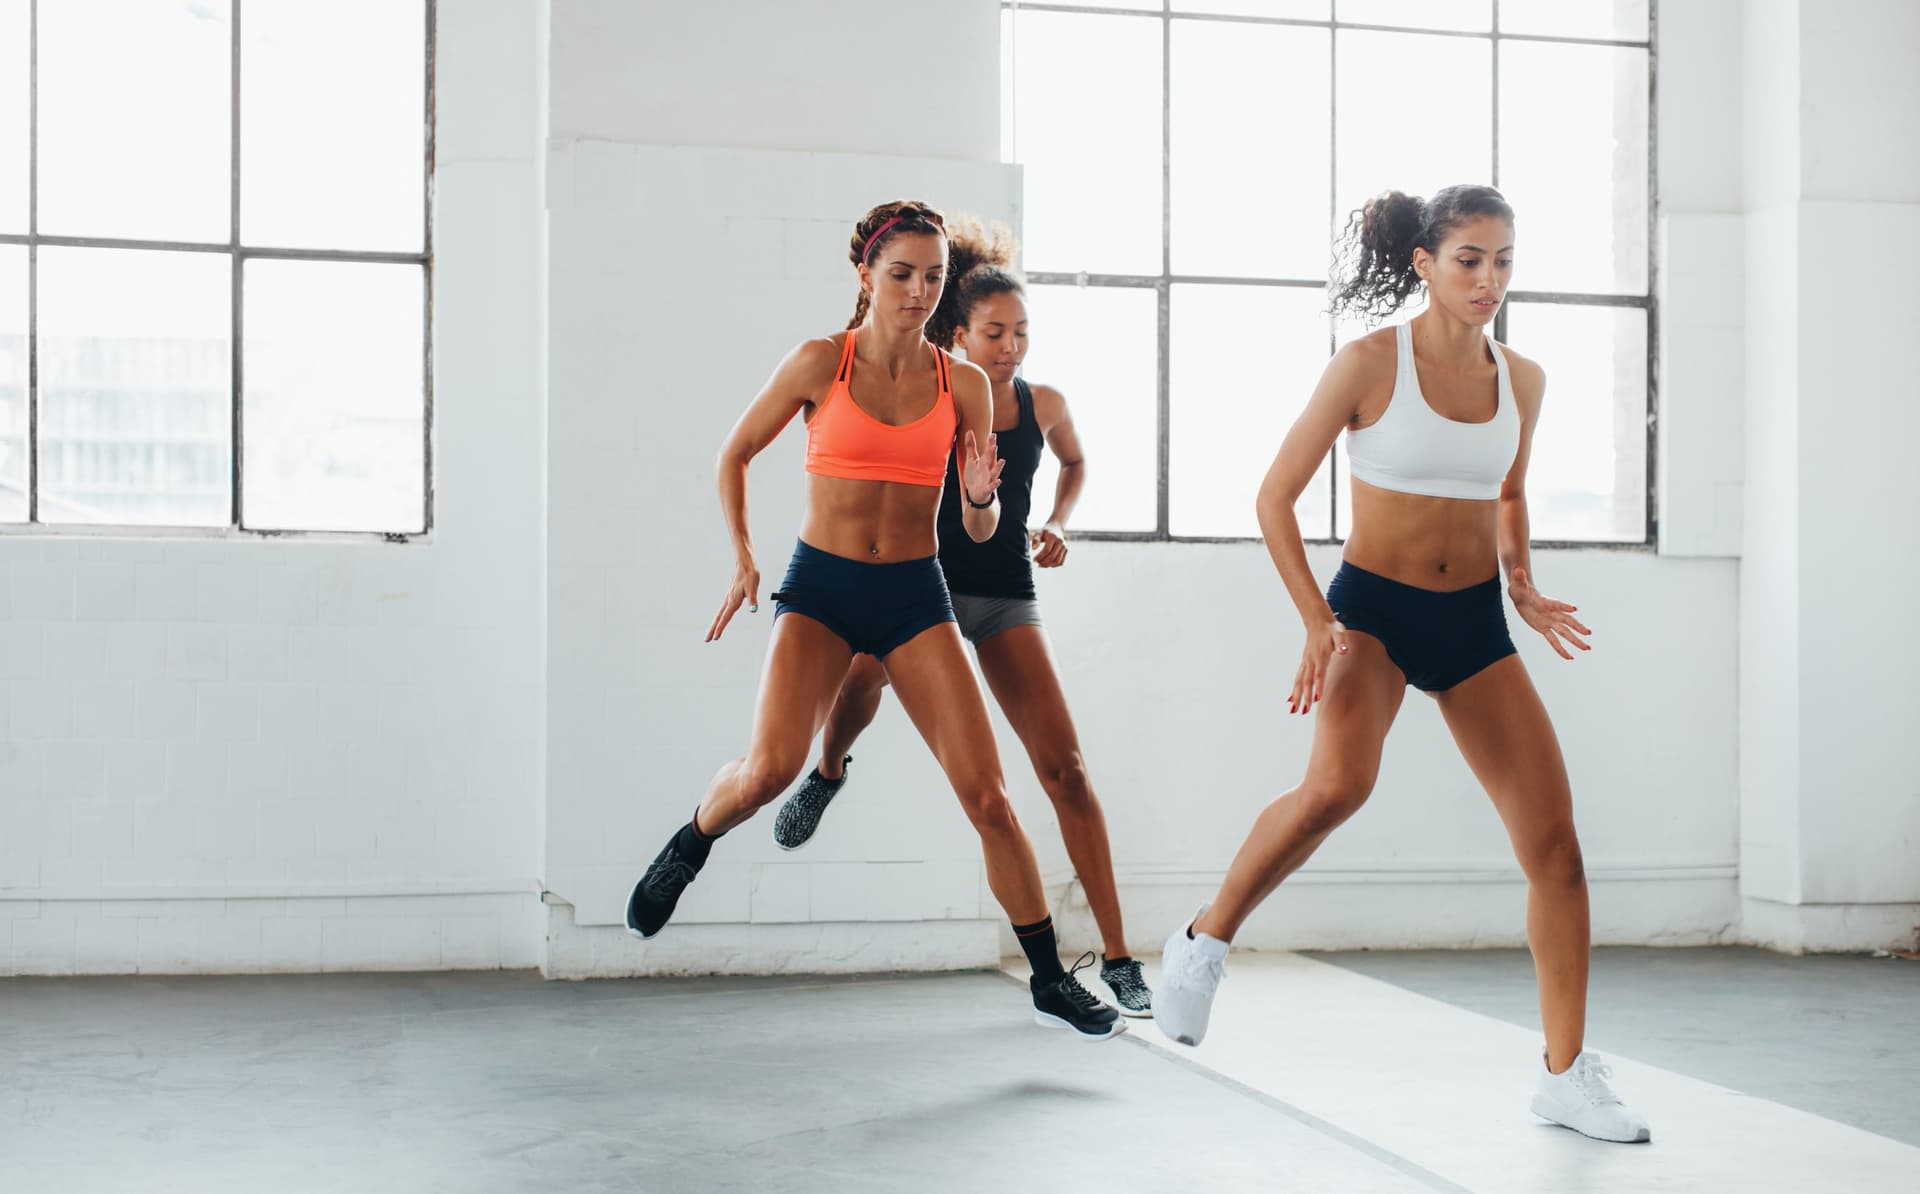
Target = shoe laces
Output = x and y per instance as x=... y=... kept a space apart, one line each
x=668 y=875
x=1196 y=964
x=1081 y=998
x=1590 y=1075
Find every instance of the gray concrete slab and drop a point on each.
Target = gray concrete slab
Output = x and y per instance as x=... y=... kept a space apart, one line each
x=485 y=1082
x=1832 y=1035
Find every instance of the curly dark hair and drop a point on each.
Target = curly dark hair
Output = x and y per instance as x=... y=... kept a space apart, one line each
x=914 y=219
x=1373 y=273
x=979 y=266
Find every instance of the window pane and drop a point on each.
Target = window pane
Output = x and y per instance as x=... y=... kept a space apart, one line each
x=1142 y=5
x=1383 y=144
x=1298 y=10
x=135 y=362
x=349 y=172
x=1245 y=360
x=1241 y=210
x=13 y=383
x=1575 y=168
x=1086 y=121
x=14 y=29
x=1474 y=15
x=1588 y=475
x=1098 y=346
x=335 y=410
x=135 y=119
x=1624 y=20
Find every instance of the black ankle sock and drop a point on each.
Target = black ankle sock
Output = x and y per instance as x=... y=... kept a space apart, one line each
x=1043 y=952
x=1122 y=960
x=692 y=844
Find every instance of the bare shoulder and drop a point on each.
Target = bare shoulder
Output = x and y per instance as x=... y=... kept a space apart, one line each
x=969 y=380
x=1364 y=367
x=1049 y=404
x=1529 y=379
x=818 y=355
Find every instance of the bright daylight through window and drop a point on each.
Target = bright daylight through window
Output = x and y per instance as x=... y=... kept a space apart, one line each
x=213 y=286
x=1188 y=166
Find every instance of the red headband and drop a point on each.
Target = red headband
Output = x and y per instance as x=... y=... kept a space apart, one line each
x=881 y=231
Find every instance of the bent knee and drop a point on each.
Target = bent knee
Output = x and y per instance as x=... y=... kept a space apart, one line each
x=762 y=780
x=1067 y=783
x=1553 y=856
x=988 y=808
x=1327 y=803
x=865 y=675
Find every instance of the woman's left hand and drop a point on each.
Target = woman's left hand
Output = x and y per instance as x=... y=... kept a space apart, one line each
x=1049 y=546
x=980 y=471
x=1553 y=619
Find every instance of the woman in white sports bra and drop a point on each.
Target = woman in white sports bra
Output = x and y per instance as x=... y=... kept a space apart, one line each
x=1439 y=419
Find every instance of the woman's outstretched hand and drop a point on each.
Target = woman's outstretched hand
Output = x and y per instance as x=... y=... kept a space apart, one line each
x=1553 y=619
x=745 y=588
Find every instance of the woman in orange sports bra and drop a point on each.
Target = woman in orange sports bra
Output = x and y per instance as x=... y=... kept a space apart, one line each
x=884 y=409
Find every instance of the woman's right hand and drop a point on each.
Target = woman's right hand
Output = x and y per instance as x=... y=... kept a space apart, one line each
x=745 y=587
x=1324 y=640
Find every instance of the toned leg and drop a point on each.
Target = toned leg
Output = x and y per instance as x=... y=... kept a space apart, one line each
x=1018 y=664
x=1503 y=731
x=1363 y=692
x=805 y=666
x=935 y=685
x=853 y=711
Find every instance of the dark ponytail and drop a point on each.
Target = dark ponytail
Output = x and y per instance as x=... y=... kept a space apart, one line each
x=979 y=265
x=903 y=217
x=1373 y=262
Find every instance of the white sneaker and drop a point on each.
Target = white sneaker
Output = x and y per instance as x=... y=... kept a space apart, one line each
x=1190 y=972
x=1581 y=1099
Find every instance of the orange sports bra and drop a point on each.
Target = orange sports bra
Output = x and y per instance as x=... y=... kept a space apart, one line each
x=845 y=441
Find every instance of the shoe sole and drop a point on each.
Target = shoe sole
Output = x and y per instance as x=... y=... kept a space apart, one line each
x=1049 y=1020
x=1546 y=1109
x=1113 y=1001
x=631 y=930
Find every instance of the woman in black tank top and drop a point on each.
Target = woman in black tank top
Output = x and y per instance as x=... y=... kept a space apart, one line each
x=993 y=594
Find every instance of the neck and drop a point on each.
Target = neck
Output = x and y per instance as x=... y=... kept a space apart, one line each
x=888 y=347
x=1448 y=339
x=1003 y=390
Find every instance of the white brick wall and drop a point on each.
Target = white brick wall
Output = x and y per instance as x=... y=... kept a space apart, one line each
x=303 y=755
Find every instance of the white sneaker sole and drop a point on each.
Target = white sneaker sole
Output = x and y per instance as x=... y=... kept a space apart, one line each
x=1049 y=1020
x=1113 y=1001
x=1550 y=1111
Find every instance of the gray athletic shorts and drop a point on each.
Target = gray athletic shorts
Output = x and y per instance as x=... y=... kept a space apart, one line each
x=981 y=618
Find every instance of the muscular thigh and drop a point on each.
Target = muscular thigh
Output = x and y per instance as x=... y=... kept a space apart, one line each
x=805 y=665
x=1359 y=700
x=1497 y=719
x=934 y=682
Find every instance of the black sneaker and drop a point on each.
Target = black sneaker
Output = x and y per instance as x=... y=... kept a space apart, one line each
x=652 y=901
x=1064 y=1003
x=1129 y=987
x=801 y=814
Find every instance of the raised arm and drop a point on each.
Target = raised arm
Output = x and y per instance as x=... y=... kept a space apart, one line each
x=976 y=455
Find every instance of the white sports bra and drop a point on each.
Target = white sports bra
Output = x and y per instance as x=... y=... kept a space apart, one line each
x=1413 y=448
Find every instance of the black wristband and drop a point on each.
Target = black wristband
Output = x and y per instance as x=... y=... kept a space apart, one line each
x=991 y=498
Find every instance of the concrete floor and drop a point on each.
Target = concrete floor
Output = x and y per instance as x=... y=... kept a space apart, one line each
x=1834 y=1035
x=501 y=1082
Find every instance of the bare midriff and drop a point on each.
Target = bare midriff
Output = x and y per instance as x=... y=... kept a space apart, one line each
x=880 y=522
x=1443 y=544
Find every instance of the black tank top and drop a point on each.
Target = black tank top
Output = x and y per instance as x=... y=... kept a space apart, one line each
x=1000 y=567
